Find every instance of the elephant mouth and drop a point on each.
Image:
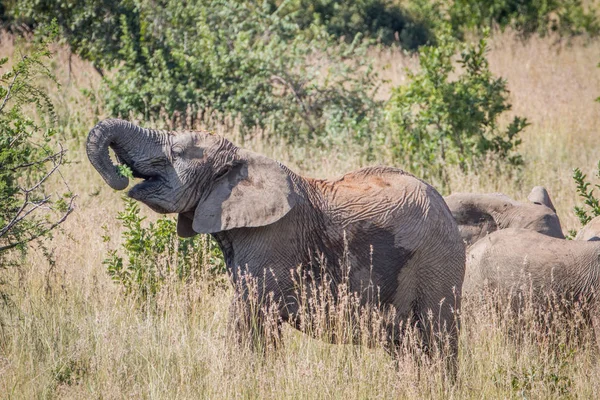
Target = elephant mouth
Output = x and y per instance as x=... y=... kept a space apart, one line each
x=147 y=183
x=148 y=191
x=148 y=179
x=150 y=185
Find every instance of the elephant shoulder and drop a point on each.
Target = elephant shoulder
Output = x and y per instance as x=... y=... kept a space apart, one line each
x=381 y=193
x=378 y=177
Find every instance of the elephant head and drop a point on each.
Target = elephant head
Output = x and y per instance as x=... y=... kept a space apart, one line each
x=480 y=214
x=212 y=184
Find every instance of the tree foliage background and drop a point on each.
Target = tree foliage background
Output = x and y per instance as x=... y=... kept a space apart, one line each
x=437 y=121
x=288 y=68
x=300 y=71
x=29 y=152
x=297 y=71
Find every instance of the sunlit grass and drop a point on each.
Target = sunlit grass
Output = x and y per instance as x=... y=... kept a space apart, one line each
x=71 y=334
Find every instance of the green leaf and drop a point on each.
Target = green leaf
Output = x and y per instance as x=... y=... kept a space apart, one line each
x=124 y=170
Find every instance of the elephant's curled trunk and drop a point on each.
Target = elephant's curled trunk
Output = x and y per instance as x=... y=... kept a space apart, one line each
x=107 y=133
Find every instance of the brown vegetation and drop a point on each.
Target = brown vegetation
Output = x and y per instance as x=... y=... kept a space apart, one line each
x=71 y=334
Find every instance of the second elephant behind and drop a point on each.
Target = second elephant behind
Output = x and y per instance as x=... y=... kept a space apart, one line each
x=526 y=268
x=478 y=214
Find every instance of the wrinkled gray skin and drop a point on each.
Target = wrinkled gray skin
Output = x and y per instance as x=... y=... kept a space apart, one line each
x=591 y=231
x=522 y=262
x=478 y=215
x=266 y=217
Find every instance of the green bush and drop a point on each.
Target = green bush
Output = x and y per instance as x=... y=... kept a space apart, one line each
x=92 y=28
x=383 y=20
x=29 y=153
x=436 y=121
x=587 y=194
x=226 y=60
x=566 y=18
x=5 y=18
x=234 y=59
x=154 y=253
x=280 y=66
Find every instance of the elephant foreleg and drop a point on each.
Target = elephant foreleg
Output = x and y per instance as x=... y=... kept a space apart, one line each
x=254 y=323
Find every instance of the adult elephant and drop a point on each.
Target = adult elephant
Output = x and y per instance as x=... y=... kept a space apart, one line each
x=522 y=265
x=394 y=230
x=478 y=215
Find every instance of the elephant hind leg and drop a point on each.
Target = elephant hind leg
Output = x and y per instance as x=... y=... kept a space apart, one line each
x=428 y=302
x=439 y=327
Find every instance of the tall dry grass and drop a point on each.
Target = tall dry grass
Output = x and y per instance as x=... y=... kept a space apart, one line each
x=71 y=334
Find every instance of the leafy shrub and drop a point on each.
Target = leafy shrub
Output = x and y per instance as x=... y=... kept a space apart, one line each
x=92 y=28
x=526 y=16
x=29 y=153
x=5 y=17
x=236 y=59
x=587 y=194
x=436 y=121
x=230 y=60
x=154 y=253
x=380 y=19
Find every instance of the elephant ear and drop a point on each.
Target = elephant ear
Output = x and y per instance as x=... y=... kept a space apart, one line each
x=539 y=195
x=184 y=227
x=257 y=191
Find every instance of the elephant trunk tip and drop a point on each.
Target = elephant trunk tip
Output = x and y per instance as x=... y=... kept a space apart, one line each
x=119 y=184
x=99 y=139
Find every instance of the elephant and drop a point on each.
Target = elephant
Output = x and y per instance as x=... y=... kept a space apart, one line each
x=591 y=231
x=523 y=265
x=394 y=230
x=480 y=214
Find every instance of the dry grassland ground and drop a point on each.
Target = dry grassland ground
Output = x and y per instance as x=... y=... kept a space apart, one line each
x=71 y=334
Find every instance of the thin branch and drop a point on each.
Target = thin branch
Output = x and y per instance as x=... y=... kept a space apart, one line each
x=56 y=166
x=14 y=220
x=99 y=70
x=15 y=139
x=18 y=218
x=59 y=172
x=43 y=232
x=306 y=114
x=43 y=161
x=9 y=90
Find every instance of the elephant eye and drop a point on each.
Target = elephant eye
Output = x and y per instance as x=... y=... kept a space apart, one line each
x=222 y=173
x=177 y=151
